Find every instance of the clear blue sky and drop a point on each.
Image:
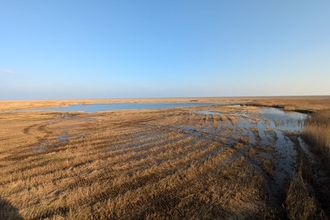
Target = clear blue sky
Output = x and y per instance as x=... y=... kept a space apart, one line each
x=66 y=49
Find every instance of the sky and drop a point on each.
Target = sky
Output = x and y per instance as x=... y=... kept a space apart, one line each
x=83 y=49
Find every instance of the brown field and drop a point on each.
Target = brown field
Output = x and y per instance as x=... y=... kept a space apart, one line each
x=219 y=162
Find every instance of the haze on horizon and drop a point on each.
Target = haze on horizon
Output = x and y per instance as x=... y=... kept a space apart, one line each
x=139 y=49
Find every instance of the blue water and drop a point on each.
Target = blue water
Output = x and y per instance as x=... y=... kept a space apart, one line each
x=284 y=120
x=123 y=106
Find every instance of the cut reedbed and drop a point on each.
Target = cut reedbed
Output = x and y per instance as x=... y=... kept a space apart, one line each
x=189 y=163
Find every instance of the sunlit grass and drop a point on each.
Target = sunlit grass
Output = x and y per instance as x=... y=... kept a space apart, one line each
x=317 y=132
x=148 y=164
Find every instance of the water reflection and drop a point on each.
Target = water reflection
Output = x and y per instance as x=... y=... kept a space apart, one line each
x=268 y=128
x=125 y=106
x=286 y=121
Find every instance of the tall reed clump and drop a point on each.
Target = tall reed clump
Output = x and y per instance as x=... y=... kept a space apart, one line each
x=317 y=132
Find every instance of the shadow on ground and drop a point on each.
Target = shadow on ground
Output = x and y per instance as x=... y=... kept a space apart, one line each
x=8 y=212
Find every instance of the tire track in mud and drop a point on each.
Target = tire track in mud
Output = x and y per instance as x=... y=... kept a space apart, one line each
x=155 y=175
x=115 y=190
x=39 y=128
x=114 y=162
x=27 y=129
x=168 y=198
x=119 y=159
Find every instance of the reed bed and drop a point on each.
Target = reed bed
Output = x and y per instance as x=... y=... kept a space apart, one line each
x=317 y=132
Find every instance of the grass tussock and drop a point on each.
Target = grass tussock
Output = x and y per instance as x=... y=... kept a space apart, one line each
x=299 y=202
x=317 y=132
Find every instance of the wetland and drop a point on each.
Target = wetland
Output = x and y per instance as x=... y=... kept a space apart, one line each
x=196 y=161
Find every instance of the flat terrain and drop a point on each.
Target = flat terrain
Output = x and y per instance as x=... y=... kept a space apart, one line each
x=225 y=162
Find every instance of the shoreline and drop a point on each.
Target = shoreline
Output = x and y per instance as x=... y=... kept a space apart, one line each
x=303 y=104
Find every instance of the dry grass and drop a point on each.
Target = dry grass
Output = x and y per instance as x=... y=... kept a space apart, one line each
x=300 y=204
x=124 y=165
x=317 y=132
x=296 y=103
x=148 y=164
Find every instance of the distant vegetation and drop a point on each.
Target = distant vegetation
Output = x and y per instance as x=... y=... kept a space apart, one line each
x=299 y=103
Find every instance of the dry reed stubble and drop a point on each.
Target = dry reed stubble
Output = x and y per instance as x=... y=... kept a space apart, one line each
x=110 y=174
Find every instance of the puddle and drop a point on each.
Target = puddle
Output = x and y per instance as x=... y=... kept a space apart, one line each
x=206 y=112
x=279 y=122
x=252 y=138
x=261 y=132
x=215 y=132
x=125 y=106
x=286 y=161
x=286 y=121
x=42 y=148
x=246 y=125
x=37 y=150
x=62 y=140
x=204 y=130
x=306 y=150
x=272 y=126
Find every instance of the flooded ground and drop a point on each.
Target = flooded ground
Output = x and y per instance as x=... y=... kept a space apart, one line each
x=230 y=162
x=125 y=106
x=266 y=129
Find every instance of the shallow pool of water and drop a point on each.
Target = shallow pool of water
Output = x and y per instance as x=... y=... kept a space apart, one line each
x=284 y=120
x=124 y=106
